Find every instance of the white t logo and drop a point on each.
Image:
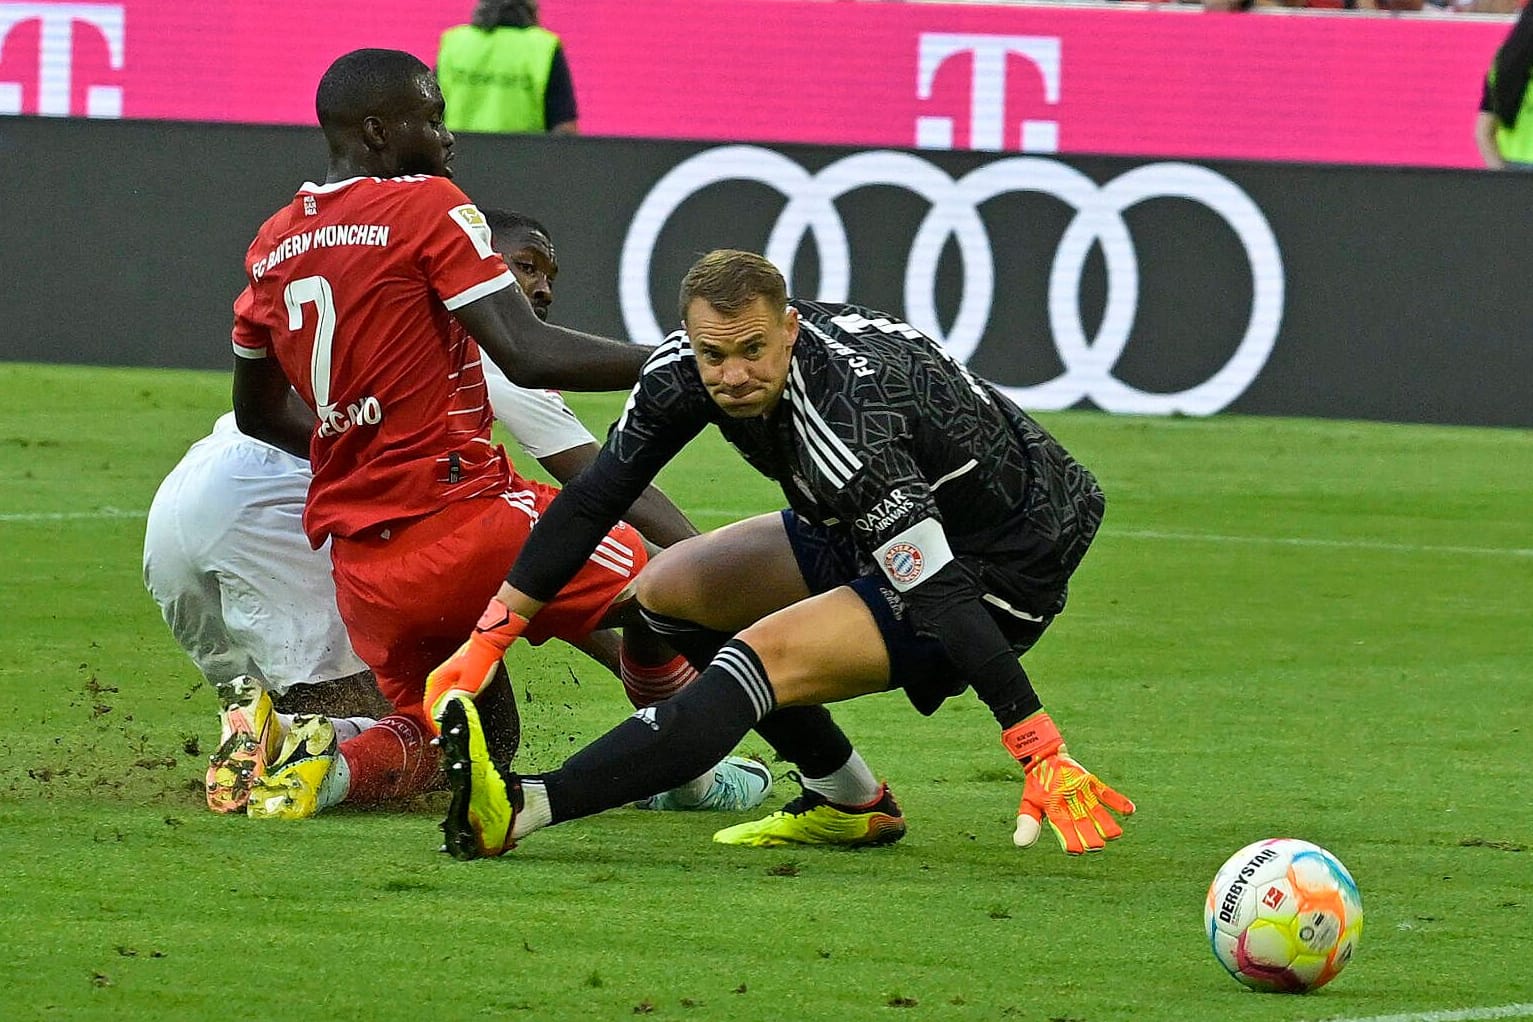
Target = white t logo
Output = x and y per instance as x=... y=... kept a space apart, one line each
x=987 y=94
x=55 y=51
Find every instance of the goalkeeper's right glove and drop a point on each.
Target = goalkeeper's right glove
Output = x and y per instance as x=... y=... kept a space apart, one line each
x=473 y=666
x=1060 y=790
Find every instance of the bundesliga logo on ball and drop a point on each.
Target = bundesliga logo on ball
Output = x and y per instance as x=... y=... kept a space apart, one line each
x=1283 y=915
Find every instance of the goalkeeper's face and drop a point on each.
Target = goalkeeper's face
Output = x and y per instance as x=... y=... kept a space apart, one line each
x=743 y=358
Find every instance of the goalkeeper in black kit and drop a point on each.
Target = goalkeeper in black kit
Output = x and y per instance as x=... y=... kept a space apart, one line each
x=931 y=531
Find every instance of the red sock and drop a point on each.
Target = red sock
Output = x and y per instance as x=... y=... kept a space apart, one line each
x=392 y=759
x=647 y=685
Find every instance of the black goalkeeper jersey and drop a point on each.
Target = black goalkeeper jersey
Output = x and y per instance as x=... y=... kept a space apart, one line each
x=946 y=487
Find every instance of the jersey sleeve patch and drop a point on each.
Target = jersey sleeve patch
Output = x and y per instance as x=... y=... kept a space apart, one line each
x=915 y=554
x=473 y=224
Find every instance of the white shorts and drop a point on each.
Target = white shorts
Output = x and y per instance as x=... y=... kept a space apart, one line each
x=226 y=558
x=538 y=420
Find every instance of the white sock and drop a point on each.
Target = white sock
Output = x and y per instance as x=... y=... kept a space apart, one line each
x=852 y=785
x=345 y=727
x=535 y=813
x=350 y=727
x=337 y=783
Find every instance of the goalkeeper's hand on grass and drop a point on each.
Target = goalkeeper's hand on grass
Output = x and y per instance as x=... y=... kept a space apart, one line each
x=473 y=666
x=1059 y=791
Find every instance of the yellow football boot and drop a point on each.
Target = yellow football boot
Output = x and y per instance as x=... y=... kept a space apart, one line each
x=249 y=739
x=812 y=819
x=303 y=778
x=485 y=797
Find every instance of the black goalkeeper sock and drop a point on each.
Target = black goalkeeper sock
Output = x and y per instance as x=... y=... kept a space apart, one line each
x=668 y=744
x=693 y=641
x=807 y=737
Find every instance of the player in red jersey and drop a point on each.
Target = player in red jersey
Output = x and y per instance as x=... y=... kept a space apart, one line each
x=356 y=292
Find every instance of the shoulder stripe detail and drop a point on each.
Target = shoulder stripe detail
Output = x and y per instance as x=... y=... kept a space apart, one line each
x=656 y=363
x=628 y=407
x=478 y=291
x=674 y=342
x=837 y=476
x=673 y=349
x=829 y=454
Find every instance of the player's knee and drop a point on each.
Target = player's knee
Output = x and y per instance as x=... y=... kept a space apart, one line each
x=669 y=585
x=781 y=657
x=796 y=679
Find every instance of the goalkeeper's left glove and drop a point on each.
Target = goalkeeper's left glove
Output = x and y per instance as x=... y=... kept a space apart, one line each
x=473 y=666
x=1060 y=790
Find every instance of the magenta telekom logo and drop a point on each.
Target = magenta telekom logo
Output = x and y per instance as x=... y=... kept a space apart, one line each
x=57 y=25
x=987 y=89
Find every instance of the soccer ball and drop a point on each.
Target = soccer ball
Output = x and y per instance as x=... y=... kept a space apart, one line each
x=1283 y=915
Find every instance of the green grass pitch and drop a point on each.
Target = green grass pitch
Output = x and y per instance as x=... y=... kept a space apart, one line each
x=1316 y=629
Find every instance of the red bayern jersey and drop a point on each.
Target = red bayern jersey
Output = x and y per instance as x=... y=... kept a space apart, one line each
x=351 y=287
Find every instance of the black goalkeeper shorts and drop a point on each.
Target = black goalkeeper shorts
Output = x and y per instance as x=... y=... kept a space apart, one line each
x=828 y=559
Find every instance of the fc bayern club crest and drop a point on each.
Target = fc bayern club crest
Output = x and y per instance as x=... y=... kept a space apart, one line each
x=904 y=562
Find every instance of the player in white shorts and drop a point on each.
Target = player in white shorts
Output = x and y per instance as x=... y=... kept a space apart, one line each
x=253 y=605
x=243 y=593
x=226 y=559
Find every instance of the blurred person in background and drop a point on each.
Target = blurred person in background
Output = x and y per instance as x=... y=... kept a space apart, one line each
x=1503 y=131
x=502 y=72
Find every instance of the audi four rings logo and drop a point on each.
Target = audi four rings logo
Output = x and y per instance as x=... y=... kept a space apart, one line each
x=1089 y=362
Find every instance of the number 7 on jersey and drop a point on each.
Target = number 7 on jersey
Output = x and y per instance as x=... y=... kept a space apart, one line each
x=316 y=291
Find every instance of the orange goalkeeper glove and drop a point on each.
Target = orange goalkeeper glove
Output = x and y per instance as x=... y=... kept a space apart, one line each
x=473 y=666
x=1061 y=791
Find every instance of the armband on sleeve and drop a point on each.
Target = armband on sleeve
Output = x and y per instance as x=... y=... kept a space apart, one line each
x=915 y=554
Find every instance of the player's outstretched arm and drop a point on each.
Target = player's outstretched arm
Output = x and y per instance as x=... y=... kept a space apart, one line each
x=1057 y=790
x=566 y=534
x=267 y=408
x=942 y=600
x=657 y=519
x=533 y=353
x=560 y=542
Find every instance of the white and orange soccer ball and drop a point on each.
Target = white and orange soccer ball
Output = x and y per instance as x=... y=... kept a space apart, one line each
x=1283 y=915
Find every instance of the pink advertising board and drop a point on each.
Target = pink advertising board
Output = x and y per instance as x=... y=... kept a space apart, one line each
x=1116 y=80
